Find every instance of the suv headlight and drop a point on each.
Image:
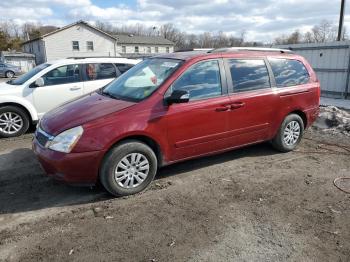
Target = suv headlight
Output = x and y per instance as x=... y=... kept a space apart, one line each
x=65 y=141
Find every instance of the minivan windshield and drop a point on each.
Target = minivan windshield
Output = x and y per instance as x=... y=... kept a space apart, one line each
x=142 y=80
x=23 y=78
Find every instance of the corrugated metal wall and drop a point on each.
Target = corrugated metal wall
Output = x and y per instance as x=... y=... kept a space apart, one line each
x=331 y=62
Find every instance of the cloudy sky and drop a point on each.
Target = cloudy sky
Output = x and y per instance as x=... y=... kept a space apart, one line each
x=262 y=20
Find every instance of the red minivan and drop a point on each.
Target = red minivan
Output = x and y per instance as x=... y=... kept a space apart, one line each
x=175 y=107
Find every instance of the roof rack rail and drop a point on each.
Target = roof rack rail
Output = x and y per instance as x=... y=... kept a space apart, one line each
x=258 y=49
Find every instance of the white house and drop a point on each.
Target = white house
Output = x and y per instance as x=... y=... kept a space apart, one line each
x=83 y=40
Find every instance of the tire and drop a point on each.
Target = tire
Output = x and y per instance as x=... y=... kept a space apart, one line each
x=281 y=141
x=20 y=121
x=9 y=74
x=113 y=168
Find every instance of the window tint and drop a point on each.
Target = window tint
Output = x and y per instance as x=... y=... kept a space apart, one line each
x=289 y=72
x=248 y=74
x=62 y=75
x=100 y=71
x=124 y=67
x=201 y=80
x=75 y=45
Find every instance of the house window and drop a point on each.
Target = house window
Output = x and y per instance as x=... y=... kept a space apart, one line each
x=124 y=49
x=75 y=45
x=90 y=46
x=168 y=50
x=136 y=49
x=149 y=50
x=156 y=49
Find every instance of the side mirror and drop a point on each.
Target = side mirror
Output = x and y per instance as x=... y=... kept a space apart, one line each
x=39 y=82
x=178 y=96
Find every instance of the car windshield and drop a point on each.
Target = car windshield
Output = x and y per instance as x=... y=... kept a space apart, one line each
x=23 y=78
x=142 y=80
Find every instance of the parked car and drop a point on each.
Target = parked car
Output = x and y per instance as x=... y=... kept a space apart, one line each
x=24 y=100
x=9 y=71
x=176 y=107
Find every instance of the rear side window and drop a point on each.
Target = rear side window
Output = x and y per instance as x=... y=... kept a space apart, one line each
x=100 y=71
x=289 y=72
x=249 y=74
x=202 y=80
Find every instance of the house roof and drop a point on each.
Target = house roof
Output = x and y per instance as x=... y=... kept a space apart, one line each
x=16 y=54
x=149 y=40
x=122 y=39
x=68 y=26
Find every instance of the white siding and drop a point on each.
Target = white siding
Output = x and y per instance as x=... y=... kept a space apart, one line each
x=59 y=45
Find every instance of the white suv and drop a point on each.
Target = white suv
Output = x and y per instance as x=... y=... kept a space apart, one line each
x=24 y=100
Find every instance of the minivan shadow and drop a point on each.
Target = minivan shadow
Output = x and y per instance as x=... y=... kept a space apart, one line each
x=24 y=186
x=262 y=149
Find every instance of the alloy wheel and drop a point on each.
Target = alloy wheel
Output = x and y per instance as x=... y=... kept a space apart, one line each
x=291 y=133
x=132 y=170
x=10 y=123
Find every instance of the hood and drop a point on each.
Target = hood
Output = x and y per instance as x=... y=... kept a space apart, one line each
x=6 y=89
x=80 y=111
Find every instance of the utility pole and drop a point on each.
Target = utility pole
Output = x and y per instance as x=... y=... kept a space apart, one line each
x=341 y=20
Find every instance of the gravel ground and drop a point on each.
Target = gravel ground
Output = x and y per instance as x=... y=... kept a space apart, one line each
x=252 y=204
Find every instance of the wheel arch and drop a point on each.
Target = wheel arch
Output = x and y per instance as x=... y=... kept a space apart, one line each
x=302 y=115
x=149 y=141
x=30 y=110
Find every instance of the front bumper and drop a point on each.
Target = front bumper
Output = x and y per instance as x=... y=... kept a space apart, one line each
x=73 y=168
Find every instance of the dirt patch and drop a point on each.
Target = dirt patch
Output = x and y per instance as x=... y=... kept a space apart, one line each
x=333 y=120
x=252 y=204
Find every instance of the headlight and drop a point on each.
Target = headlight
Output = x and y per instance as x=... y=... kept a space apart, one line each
x=65 y=141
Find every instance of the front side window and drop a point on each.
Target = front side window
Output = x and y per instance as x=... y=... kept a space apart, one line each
x=100 y=71
x=62 y=75
x=248 y=74
x=202 y=80
x=289 y=72
x=75 y=45
x=136 y=49
x=124 y=67
x=90 y=46
x=142 y=80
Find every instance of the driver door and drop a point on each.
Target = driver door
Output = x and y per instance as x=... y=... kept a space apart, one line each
x=60 y=85
x=199 y=126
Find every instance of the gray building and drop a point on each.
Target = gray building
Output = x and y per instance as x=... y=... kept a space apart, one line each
x=25 y=61
x=331 y=62
x=83 y=40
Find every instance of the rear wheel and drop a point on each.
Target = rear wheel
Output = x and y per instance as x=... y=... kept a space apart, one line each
x=13 y=121
x=289 y=134
x=9 y=74
x=128 y=168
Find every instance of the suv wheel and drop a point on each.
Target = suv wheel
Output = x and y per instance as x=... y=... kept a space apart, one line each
x=13 y=121
x=9 y=74
x=128 y=168
x=289 y=134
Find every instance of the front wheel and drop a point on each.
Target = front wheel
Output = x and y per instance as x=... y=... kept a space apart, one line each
x=289 y=134
x=128 y=168
x=13 y=121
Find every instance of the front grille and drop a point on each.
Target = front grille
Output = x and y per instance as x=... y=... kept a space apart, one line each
x=42 y=137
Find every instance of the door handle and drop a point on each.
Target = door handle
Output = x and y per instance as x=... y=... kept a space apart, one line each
x=237 y=105
x=75 y=88
x=222 y=108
